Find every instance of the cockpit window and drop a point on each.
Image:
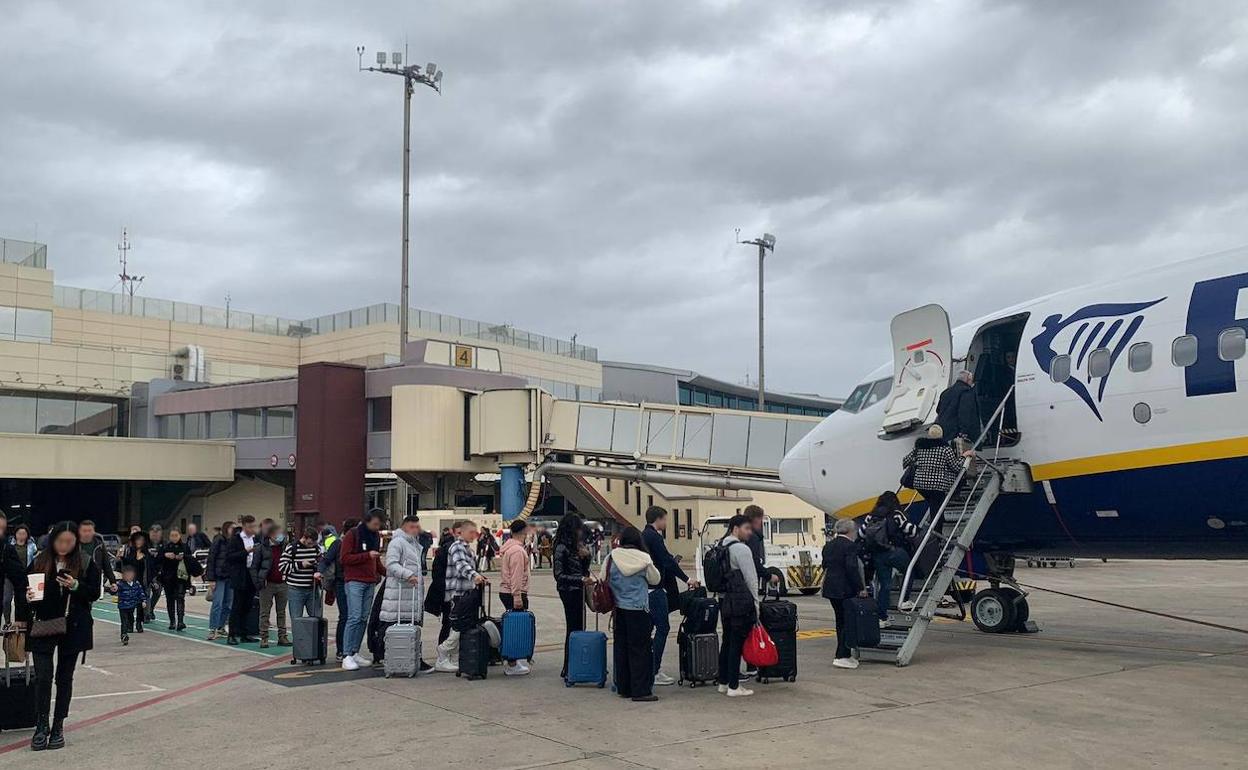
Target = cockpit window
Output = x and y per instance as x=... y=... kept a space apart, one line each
x=879 y=392
x=854 y=402
x=867 y=394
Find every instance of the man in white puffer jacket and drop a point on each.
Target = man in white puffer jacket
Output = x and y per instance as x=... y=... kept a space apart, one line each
x=404 y=595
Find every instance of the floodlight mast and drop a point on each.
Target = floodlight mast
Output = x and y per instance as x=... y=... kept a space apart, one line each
x=765 y=244
x=431 y=77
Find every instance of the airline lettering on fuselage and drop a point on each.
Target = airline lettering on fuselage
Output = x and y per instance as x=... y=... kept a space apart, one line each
x=1089 y=336
x=1211 y=312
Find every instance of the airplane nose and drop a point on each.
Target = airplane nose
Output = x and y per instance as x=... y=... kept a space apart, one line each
x=796 y=473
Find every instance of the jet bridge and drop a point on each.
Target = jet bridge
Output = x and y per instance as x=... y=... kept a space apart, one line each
x=441 y=428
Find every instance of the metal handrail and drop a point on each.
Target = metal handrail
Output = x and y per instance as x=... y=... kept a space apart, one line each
x=998 y=416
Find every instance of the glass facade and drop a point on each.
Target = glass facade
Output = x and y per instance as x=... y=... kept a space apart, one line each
x=25 y=324
x=379 y=414
x=28 y=412
x=279 y=421
x=693 y=395
x=247 y=423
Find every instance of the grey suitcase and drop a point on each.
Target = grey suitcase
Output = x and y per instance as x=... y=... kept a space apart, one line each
x=403 y=640
x=310 y=636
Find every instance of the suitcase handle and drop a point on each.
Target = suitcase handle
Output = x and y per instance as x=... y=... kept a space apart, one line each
x=415 y=596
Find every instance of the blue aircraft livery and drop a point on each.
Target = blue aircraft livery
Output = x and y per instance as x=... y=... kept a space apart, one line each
x=1110 y=319
x=1211 y=312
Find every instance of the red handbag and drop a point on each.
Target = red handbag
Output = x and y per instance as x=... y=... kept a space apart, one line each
x=760 y=651
x=598 y=596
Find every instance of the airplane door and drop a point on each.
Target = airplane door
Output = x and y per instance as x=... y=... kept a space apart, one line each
x=922 y=366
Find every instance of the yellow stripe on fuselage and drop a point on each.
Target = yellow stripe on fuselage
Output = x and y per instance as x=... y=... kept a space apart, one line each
x=1223 y=449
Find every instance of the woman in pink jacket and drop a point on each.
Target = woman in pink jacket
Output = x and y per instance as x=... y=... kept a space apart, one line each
x=513 y=589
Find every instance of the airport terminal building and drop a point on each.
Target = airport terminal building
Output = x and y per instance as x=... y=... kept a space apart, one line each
x=138 y=410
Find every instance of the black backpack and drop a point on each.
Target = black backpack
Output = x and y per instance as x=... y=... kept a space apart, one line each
x=715 y=568
x=875 y=535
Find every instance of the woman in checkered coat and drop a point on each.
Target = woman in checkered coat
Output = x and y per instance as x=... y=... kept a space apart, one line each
x=936 y=466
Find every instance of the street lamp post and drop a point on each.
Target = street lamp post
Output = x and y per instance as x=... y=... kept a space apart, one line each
x=431 y=76
x=765 y=244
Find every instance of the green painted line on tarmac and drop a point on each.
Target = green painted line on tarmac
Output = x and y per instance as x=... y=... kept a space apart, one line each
x=196 y=631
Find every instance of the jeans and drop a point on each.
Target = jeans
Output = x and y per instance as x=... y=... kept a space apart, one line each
x=573 y=619
x=842 y=643
x=634 y=659
x=272 y=594
x=885 y=562
x=66 y=659
x=303 y=601
x=359 y=601
x=659 y=613
x=730 y=653
x=340 y=630
x=222 y=597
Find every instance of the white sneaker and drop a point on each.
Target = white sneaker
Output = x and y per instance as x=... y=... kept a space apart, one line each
x=349 y=664
x=663 y=680
x=845 y=663
x=740 y=692
x=885 y=623
x=446 y=666
x=361 y=661
x=511 y=669
x=906 y=606
x=524 y=667
x=723 y=688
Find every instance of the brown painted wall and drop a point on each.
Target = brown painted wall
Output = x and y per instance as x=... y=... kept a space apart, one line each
x=331 y=449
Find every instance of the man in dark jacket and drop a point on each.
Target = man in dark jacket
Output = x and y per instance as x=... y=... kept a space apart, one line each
x=957 y=412
x=12 y=572
x=842 y=579
x=196 y=540
x=663 y=597
x=94 y=550
x=241 y=552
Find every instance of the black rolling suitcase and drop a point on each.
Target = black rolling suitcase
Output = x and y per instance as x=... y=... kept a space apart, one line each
x=310 y=636
x=779 y=617
x=474 y=645
x=699 y=657
x=700 y=612
x=17 y=694
x=862 y=622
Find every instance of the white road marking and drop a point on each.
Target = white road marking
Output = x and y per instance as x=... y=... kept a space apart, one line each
x=97 y=670
x=148 y=689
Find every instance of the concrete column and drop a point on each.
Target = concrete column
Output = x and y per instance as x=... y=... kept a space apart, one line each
x=511 y=491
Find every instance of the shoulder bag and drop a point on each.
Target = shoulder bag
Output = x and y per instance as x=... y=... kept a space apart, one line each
x=57 y=626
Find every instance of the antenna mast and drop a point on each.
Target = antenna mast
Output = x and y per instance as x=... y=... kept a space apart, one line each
x=129 y=283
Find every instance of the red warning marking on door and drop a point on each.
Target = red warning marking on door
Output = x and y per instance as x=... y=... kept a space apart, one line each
x=918 y=345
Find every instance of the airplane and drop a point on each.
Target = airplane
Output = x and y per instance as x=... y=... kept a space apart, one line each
x=1128 y=412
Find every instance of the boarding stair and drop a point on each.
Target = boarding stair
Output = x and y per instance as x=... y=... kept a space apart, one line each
x=954 y=526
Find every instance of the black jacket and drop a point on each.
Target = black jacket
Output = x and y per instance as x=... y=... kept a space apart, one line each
x=666 y=563
x=262 y=562
x=217 y=568
x=198 y=542
x=236 y=563
x=842 y=572
x=79 y=635
x=957 y=412
x=570 y=568
x=97 y=552
x=144 y=571
x=759 y=549
x=169 y=567
x=12 y=570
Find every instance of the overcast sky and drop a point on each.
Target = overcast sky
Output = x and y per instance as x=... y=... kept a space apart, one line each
x=588 y=162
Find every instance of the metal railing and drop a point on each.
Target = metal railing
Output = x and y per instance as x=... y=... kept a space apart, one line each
x=933 y=521
x=28 y=253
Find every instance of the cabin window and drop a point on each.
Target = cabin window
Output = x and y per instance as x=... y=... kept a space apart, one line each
x=1231 y=344
x=1140 y=357
x=1183 y=351
x=1059 y=370
x=1098 y=362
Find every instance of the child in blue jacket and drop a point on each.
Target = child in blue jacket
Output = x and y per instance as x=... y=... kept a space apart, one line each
x=130 y=597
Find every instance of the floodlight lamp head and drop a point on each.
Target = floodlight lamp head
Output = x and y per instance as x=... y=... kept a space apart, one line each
x=381 y=58
x=430 y=68
x=769 y=240
x=437 y=79
x=396 y=59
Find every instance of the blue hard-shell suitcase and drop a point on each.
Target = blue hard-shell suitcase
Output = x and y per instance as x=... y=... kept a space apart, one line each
x=519 y=629
x=587 y=658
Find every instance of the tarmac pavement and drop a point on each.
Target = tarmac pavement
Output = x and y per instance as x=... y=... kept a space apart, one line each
x=1097 y=687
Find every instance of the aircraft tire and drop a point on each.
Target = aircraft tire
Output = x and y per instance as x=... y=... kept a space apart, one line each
x=993 y=612
x=1021 y=609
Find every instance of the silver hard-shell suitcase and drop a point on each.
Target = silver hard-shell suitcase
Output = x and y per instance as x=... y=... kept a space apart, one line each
x=403 y=641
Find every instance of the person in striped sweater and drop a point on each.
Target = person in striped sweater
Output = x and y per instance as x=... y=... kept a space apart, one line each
x=298 y=566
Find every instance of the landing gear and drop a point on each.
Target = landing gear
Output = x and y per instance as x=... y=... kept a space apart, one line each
x=993 y=611
x=1022 y=612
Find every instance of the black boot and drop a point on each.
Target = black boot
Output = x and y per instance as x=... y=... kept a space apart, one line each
x=233 y=641
x=39 y=741
x=57 y=739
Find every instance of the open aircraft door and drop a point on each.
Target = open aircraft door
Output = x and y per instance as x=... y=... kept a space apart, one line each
x=922 y=366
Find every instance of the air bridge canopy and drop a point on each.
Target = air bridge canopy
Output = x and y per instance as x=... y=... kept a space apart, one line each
x=33 y=456
x=506 y=422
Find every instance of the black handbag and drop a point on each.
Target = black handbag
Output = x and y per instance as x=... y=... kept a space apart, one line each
x=52 y=626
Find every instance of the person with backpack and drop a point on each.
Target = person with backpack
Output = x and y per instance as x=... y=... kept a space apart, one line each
x=461 y=579
x=570 y=565
x=631 y=573
x=884 y=535
x=731 y=573
x=842 y=579
x=328 y=573
x=931 y=467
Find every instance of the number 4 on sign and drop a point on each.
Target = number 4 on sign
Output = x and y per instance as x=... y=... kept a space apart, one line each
x=463 y=356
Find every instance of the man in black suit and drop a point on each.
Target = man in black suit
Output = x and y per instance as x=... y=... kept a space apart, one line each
x=240 y=551
x=842 y=580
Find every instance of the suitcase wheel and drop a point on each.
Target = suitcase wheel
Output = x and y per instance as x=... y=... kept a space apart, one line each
x=293 y=661
x=792 y=678
x=567 y=683
x=458 y=674
x=322 y=661
x=601 y=685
